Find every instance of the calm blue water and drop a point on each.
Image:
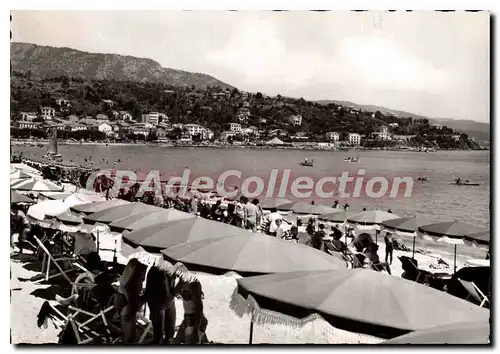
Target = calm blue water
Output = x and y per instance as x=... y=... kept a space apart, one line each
x=436 y=199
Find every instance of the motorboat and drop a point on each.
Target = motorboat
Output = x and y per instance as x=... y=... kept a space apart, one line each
x=307 y=163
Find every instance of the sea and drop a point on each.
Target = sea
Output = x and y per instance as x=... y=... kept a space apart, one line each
x=436 y=199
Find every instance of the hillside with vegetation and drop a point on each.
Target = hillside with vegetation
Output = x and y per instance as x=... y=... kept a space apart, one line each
x=215 y=107
x=46 y=61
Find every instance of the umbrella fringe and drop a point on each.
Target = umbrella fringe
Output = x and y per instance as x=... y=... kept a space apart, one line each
x=260 y=316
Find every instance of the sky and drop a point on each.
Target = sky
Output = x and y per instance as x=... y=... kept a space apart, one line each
x=429 y=63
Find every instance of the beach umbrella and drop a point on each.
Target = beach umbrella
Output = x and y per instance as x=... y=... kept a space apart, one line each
x=270 y=203
x=251 y=254
x=19 y=175
x=338 y=216
x=19 y=198
x=453 y=232
x=371 y=217
x=47 y=208
x=25 y=168
x=141 y=220
x=69 y=218
x=89 y=208
x=113 y=213
x=460 y=333
x=482 y=237
x=408 y=225
x=358 y=300
x=172 y=233
x=53 y=195
x=35 y=185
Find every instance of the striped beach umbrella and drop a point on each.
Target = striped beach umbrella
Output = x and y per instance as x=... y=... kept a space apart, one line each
x=35 y=185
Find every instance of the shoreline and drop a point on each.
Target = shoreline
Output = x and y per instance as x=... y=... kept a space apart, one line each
x=30 y=143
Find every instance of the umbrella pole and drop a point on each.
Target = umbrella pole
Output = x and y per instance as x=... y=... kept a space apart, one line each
x=455 y=260
x=251 y=332
x=97 y=242
x=413 y=252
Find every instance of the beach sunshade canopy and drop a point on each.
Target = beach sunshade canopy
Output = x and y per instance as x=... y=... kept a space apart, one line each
x=371 y=217
x=339 y=216
x=482 y=237
x=460 y=333
x=269 y=203
x=25 y=168
x=275 y=141
x=69 y=218
x=89 y=208
x=109 y=215
x=47 y=208
x=452 y=229
x=55 y=195
x=172 y=233
x=19 y=198
x=407 y=224
x=359 y=300
x=18 y=174
x=251 y=254
x=35 y=185
x=141 y=220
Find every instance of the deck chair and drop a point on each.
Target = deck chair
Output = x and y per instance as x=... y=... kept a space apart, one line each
x=357 y=260
x=49 y=259
x=412 y=272
x=474 y=292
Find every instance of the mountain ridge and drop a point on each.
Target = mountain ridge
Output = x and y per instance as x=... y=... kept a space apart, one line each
x=49 y=61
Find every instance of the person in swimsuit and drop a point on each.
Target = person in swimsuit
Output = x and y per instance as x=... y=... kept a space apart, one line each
x=127 y=301
x=193 y=327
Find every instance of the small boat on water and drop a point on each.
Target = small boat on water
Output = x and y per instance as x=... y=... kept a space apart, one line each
x=307 y=163
x=351 y=159
x=422 y=179
x=465 y=184
x=52 y=152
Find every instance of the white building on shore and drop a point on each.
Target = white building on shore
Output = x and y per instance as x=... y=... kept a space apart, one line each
x=354 y=138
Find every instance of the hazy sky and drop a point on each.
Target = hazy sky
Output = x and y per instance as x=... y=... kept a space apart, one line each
x=430 y=63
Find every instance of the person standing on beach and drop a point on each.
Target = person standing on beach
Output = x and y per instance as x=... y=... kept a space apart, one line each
x=260 y=212
x=160 y=295
x=127 y=301
x=239 y=213
x=336 y=204
x=251 y=212
x=272 y=221
x=317 y=239
x=22 y=226
x=280 y=231
x=389 y=246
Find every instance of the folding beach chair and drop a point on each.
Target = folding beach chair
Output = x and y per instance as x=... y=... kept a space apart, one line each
x=357 y=260
x=412 y=272
x=474 y=292
x=49 y=259
x=90 y=325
